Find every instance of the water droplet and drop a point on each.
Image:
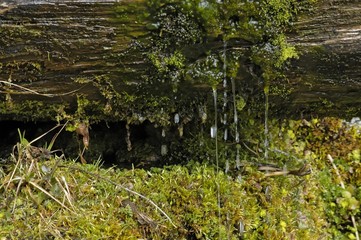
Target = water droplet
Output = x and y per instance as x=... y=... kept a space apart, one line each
x=213 y=131
x=227 y=166
x=176 y=118
x=163 y=150
x=225 y=136
x=238 y=162
x=225 y=99
x=237 y=137
x=241 y=228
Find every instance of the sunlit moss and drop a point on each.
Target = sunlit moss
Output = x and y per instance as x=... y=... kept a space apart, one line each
x=252 y=205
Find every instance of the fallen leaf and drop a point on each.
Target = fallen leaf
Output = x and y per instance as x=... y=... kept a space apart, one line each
x=83 y=130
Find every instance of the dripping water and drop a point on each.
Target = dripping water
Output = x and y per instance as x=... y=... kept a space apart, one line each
x=235 y=121
x=238 y=161
x=163 y=147
x=214 y=127
x=225 y=64
x=266 y=107
x=163 y=150
x=127 y=139
x=225 y=98
x=225 y=134
x=217 y=161
x=213 y=131
x=227 y=163
x=235 y=114
x=176 y=118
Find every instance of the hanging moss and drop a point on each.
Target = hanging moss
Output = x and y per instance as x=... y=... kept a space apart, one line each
x=30 y=110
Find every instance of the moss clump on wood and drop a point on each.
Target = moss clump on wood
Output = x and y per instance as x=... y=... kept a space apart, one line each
x=29 y=110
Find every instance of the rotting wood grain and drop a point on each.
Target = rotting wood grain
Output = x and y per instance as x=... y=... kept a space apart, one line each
x=47 y=46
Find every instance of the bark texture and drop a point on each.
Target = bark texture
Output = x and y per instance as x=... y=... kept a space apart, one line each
x=328 y=70
x=51 y=51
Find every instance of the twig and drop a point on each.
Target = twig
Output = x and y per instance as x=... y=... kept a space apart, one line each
x=126 y=189
x=249 y=149
x=275 y=171
x=343 y=186
x=37 y=93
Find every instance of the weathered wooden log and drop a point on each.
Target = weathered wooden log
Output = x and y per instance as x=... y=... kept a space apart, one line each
x=48 y=46
x=327 y=74
x=57 y=55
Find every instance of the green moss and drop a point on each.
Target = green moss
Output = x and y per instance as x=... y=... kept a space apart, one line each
x=188 y=195
x=250 y=205
x=29 y=110
x=164 y=64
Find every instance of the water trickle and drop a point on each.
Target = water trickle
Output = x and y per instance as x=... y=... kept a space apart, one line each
x=217 y=161
x=266 y=107
x=241 y=228
x=127 y=139
x=213 y=131
x=225 y=119
x=225 y=64
x=225 y=100
x=163 y=150
x=215 y=124
x=176 y=118
x=227 y=166
x=225 y=96
x=235 y=113
x=238 y=161
x=163 y=147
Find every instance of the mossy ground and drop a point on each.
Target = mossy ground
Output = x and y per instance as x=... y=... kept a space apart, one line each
x=47 y=197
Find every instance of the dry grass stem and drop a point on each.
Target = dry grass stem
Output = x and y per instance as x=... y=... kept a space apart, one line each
x=28 y=90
